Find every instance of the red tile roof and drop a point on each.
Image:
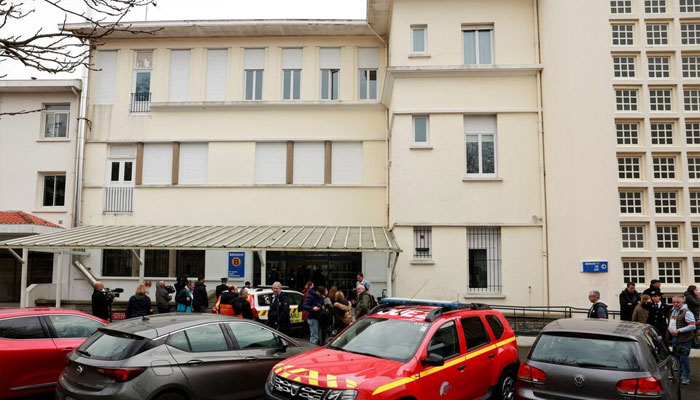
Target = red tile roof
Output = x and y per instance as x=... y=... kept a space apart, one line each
x=21 y=218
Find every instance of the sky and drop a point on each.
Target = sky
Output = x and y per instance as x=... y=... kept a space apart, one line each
x=47 y=18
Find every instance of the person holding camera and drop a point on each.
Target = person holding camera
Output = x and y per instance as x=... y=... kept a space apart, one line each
x=163 y=297
x=100 y=308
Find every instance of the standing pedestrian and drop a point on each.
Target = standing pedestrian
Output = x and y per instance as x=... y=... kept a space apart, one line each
x=224 y=303
x=162 y=298
x=139 y=304
x=278 y=315
x=692 y=300
x=655 y=286
x=241 y=306
x=629 y=298
x=680 y=333
x=313 y=305
x=640 y=313
x=221 y=288
x=364 y=301
x=184 y=298
x=201 y=298
x=180 y=283
x=341 y=310
x=100 y=308
x=598 y=310
x=362 y=281
x=658 y=314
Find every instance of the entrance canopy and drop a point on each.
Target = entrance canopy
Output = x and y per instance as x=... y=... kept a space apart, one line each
x=257 y=238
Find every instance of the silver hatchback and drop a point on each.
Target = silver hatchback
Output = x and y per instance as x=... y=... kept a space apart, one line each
x=176 y=356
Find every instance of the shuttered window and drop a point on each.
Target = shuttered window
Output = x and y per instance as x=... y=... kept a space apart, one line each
x=346 y=163
x=157 y=163
x=309 y=162
x=217 y=62
x=271 y=163
x=179 y=89
x=106 y=77
x=193 y=163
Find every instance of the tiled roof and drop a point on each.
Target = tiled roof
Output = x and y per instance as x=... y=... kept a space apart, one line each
x=21 y=218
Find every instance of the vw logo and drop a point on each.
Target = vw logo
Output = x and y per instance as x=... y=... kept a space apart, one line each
x=294 y=389
x=79 y=370
x=579 y=380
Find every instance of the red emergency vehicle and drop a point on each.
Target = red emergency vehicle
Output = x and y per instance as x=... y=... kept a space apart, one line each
x=407 y=349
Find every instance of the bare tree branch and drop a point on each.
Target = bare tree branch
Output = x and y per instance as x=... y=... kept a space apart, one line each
x=20 y=112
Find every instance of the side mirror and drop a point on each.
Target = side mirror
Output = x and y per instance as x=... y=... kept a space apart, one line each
x=434 y=360
x=281 y=344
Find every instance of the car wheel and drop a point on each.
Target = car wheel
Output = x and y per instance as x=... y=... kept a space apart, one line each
x=505 y=390
x=171 y=396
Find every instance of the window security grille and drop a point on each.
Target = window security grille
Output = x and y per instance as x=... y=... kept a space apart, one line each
x=422 y=241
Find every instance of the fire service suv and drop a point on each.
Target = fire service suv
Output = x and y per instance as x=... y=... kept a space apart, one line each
x=407 y=349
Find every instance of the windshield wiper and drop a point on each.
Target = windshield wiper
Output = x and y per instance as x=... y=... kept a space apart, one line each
x=83 y=353
x=362 y=354
x=594 y=365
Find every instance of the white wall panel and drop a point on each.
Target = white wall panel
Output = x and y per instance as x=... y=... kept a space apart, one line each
x=179 y=88
x=157 y=163
x=217 y=62
x=346 y=163
x=106 y=77
x=308 y=162
x=271 y=163
x=193 y=163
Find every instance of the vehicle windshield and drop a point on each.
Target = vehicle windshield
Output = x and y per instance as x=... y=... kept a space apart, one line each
x=390 y=339
x=587 y=351
x=109 y=345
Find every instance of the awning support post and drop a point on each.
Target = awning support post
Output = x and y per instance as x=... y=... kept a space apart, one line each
x=23 y=279
x=263 y=267
x=142 y=266
x=390 y=274
x=59 y=279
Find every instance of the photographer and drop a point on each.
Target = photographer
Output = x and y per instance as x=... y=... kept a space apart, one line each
x=100 y=308
x=163 y=297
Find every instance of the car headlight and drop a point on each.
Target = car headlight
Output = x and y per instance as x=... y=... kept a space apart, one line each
x=341 y=395
x=271 y=380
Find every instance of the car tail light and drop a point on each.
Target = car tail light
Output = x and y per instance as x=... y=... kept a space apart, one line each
x=121 y=374
x=531 y=374
x=642 y=386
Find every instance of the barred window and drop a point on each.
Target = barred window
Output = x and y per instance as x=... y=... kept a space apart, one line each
x=664 y=167
x=657 y=34
x=634 y=271
x=620 y=6
x=668 y=236
x=666 y=202
x=690 y=33
x=692 y=132
x=693 y=167
x=484 y=259
x=632 y=236
x=422 y=241
x=622 y=34
x=628 y=167
x=660 y=99
x=691 y=66
x=694 y=200
x=117 y=263
x=630 y=202
x=659 y=66
x=628 y=133
x=669 y=271
x=654 y=6
x=623 y=67
x=661 y=133
x=626 y=99
x=696 y=270
x=691 y=99
x=695 y=235
x=688 y=6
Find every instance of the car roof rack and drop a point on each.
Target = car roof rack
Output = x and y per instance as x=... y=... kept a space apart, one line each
x=263 y=287
x=443 y=306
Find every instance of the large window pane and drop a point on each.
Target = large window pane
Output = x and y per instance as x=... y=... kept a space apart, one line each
x=418 y=40
x=287 y=84
x=49 y=184
x=249 y=336
x=143 y=82
x=478 y=273
x=363 y=84
x=128 y=165
x=207 y=338
x=335 y=75
x=420 y=129
x=116 y=263
x=445 y=341
x=258 y=85
x=297 y=85
x=157 y=262
x=22 y=328
x=484 y=47
x=373 y=84
x=249 y=84
x=190 y=263
x=487 y=154
x=114 y=175
x=472 y=154
x=325 y=77
x=73 y=326
x=469 y=47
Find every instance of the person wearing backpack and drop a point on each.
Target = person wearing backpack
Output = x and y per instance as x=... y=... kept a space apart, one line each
x=598 y=310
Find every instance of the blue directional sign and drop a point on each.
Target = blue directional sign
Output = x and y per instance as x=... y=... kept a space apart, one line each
x=236 y=264
x=595 y=266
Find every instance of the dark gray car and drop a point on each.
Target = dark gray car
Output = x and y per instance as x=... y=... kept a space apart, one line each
x=598 y=359
x=176 y=356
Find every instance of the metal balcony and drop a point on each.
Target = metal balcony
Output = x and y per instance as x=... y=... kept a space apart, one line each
x=118 y=199
x=140 y=102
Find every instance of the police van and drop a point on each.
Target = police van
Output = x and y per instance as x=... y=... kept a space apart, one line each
x=263 y=298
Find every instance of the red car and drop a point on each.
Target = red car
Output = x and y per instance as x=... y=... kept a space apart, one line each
x=407 y=350
x=34 y=343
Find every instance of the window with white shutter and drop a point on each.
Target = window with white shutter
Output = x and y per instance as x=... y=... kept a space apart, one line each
x=193 y=163
x=330 y=73
x=291 y=73
x=179 y=89
x=105 y=77
x=368 y=64
x=271 y=163
x=254 y=65
x=217 y=62
x=157 y=163
x=309 y=159
x=346 y=163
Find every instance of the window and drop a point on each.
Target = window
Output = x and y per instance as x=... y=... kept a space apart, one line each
x=627 y=133
x=664 y=167
x=422 y=241
x=484 y=259
x=666 y=202
x=626 y=99
x=179 y=340
x=190 y=263
x=691 y=99
x=629 y=167
x=477 y=45
x=121 y=171
x=696 y=270
x=421 y=129
x=623 y=67
x=668 y=236
x=694 y=200
x=630 y=202
x=55 y=117
x=157 y=163
x=73 y=326
x=622 y=34
x=474 y=333
x=143 y=66
x=445 y=341
x=217 y=65
x=632 y=236
x=193 y=163
x=179 y=87
x=657 y=34
x=480 y=134
x=661 y=133
x=692 y=132
x=695 y=236
x=254 y=65
x=690 y=32
x=659 y=66
x=106 y=77
x=634 y=271
x=419 y=44
x=620 y=6
x=691 y=66
x=309 y=163
x=693 y=167
x=205 y=338
x=121 y=165
x=54 y=190
x=271 y=163
x=22 y=328
x=291 y=73
x=670 y=271
x=660 y=99
x=249 y=336
x=117 y=263
x=496 y=326
x=346 y=163
x=690 y=6
x=330 y=73
x=654 y=6
x=368 y=62
x=157 y=263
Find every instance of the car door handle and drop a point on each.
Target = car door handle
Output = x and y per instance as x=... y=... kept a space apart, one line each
x=194 y=362
x=251 y=359
x=461 y=367
x=492 y=355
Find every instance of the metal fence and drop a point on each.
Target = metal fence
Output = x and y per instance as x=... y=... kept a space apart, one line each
x=529 y=320
x=140 y=102
x=118 y=199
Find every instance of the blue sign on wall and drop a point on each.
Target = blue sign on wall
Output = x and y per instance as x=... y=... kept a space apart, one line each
x=595 y=266
x=236 y=264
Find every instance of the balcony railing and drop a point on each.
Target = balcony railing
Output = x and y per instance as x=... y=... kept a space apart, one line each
x=118 y=199
x=140 y=102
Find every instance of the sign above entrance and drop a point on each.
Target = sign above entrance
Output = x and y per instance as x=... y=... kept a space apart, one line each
x=236 y=264
x=595 y=266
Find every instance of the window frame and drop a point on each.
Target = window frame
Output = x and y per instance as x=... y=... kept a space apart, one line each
x=617 y=34
x=658 y=66
x=627 y=131
x=42 y=199
x=639 y=235
x=626 y=99
x=690 y=37
x=657 y=32
x=483 y=328
x=292 y=88
x=46 y=111
x=477 y=48
x=633 y=265
x=333 y=84
x=666 y=199
x=693 y=166
x=660 y=99
x=669 y=237
x=424 y=28
x=655 y=6
x=423 y=253
x=690 y=65
x=691 y=98
x=256 y=75
x=659 y=133
x=427 y=129
x=636 y=167
x=677 y=278
x=479 y=136
x=624 y=66
x=141 y=69
x=367 y=74
x=446 y=325
x=617 y=5
x=688 y=6
x=664 y=171
x=637 y=201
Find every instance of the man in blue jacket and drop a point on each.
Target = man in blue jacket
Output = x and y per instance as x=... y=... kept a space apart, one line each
x=314 y=304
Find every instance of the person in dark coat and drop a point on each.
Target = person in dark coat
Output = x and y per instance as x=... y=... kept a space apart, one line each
x=629 y=298
x=201 y=298
x=313 y=305
x=184 y=298
x=163 y=298
x=221 y=288
x=655 y=286
x=100 y=308
x=241 y=305
x=598 y=310
x=658 y=314
x=278 y=315
x=139 y=304
x=180 y=284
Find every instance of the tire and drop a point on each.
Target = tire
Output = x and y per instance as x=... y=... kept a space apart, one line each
x=505 y=389
x=171 y=396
